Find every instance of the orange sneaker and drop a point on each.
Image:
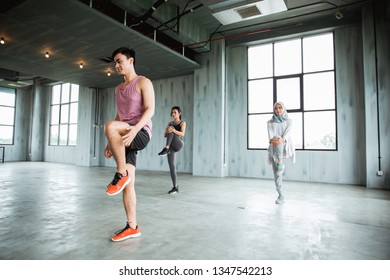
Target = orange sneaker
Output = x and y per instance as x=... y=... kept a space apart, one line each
x=118 y=183
x=126 y=233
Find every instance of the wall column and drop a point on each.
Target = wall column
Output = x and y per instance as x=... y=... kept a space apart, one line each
x=209 y=113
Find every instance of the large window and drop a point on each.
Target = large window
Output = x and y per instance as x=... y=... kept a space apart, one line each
x=301 y=74
x=64 y=114
x=7 y=115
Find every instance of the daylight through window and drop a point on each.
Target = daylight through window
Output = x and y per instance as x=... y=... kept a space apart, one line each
x=7 y=115
x=301 y=74
x=64 y=114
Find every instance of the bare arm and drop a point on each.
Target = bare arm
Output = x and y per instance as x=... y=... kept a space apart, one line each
x=117 y=117
x=180 y=132
x=147 y=92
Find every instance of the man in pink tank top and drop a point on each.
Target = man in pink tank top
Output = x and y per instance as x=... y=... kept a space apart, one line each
x=129 y=133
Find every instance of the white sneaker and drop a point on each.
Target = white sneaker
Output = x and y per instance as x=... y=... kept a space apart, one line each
x=280 y=199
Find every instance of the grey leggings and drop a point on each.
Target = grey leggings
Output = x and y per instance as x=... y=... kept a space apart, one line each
x=278 y=150
x=278 y=178
x=175 y=144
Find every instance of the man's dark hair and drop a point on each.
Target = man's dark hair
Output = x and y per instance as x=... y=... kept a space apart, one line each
x=125 y=51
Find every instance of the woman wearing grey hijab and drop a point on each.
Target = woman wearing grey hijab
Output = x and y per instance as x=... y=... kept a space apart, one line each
x=281 y=145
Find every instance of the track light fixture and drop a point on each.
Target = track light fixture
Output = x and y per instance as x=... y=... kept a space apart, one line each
x=2 y=41
x=81 y=65
x=47 y=55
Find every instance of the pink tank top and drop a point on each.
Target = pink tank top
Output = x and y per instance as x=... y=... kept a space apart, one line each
x=130 y=104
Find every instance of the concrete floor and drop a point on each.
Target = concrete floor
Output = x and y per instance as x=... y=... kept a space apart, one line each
x=57 y=212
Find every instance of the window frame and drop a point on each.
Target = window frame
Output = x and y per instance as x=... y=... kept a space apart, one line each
x=301 y=76
x=68 y=123
x=14 y=92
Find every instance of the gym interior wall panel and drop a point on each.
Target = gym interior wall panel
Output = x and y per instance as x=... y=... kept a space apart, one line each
x=383 y=53
x=209 y=113
x=37 y=139
x=95 y=128
x=240 y=160
x=108 y=111
x=351 y=154
x=376 y=44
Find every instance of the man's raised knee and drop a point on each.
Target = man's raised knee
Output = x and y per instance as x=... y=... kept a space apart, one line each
x=109 y=127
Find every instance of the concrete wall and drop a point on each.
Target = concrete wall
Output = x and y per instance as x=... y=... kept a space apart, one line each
x=40 y=104
x=209 y=113
x=376 y=44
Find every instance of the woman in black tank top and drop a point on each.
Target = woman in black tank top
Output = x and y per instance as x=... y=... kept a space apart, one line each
x=174 y=133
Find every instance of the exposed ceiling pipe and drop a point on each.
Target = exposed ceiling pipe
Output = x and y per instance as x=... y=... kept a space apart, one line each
x=178 y=16
x=242 y=34
x=148 y=13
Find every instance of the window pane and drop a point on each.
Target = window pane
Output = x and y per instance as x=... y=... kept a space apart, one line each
x=288 y=92
x=296 y=133
x=63 y=134
x=54 y=135
x=319 y=91
x=65 y=93
x=55 y=94
x=64 y=113
x=260 y=96
x=257 y=131
x=73 y=112
x=55 y=113
x=320 y=130
x=7 y=115
x=260 y=61
x=318 y=53
x=6 y=134
x=7 y=98
x=72 y=134
x=74 y=93
x=288 y=57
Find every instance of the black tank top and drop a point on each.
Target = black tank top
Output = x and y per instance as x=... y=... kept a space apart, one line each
x=176 y=126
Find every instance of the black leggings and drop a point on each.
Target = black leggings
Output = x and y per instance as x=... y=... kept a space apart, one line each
x=175 y=144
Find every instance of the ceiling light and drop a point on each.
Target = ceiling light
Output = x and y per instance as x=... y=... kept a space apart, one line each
x=47 y=55
x=2 y=41
x=339 y=14
x=81 y=65
x=108 y=73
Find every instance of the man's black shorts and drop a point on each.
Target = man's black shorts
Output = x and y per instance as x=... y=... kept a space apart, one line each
x=140 y=141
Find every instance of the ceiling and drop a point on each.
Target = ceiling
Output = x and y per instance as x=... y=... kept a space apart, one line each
x=167 y=35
